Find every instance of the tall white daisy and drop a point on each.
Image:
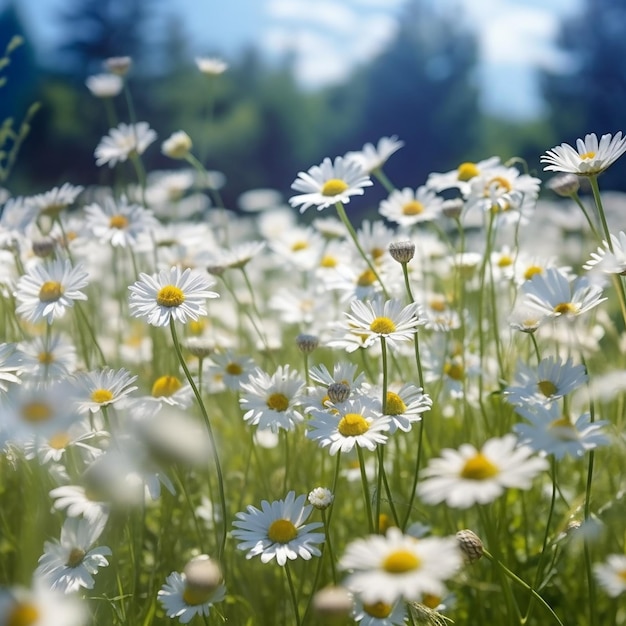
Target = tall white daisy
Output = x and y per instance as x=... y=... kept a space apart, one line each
x=589 y=158
x=278 y=530
x=101 y=388
x=609 y=258
x=331 y=182
x=171 y=294
x=467 y=476
x=611 y=574
x=123 y=142
x=48 y=289
x=407 y=207
x=398 y=566
x=372 y=157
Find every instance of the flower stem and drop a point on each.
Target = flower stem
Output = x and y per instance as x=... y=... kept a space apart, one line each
x=292 y=591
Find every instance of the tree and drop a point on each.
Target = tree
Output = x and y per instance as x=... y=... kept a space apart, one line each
x=590 y=96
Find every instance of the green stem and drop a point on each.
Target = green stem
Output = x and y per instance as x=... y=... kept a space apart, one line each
x=366 y=489
x=292 y=591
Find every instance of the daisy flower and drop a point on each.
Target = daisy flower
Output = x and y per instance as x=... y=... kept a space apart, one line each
x=211 y=66
x=184 y=601
x=76 y=501
x=399 y=567
x=170 y=295
x=102 y=388
x=371 y=158
x=405 y=407
x=462 y=175
x=104 y=85
x=343 y=372
x=611 y=575
x=231 y=369
x=551 y=432
x=331 y=182
x=589 y=158
x=11 y=363
x=124 y=141
x=16 y=217
x=118 y=223
x=342 y=426
x=272 y=401
x=177 y=145
x=41 y=606
x=52 y=202
x=407 y=207
x=378 y=319
x=69 y=563
x=48 y=289
x=610 y=257
x=550 y=380
x=49 y=357
x=278 y=530
x=467 y=476
x=379 y=613
x=554 y=295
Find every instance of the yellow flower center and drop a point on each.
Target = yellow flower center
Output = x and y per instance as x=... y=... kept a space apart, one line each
x=621 y=574
x=282 y=531
x=564 y=429
x=366 y=279
x=395 y=405
x=334 y=186
x=505 y=261
x=234 y=369
x=384 y=523
x=328 y=261
x=75 y=558
x=455 y=371
x=50 y=291
x=382 y=326
x=379 y=610
x=101 y=396
x=547 y=388
x=479 y=467
x=278 y=402
x=565 y=308
x=170 y=296
x=166 y=386
x=377 y=253
x=352 y=425
x=588 y=155
x=36 y=412
x=196 y=327
x=438 y=304
x=401 y=561
x=413 y=208
x=118 y=221
x=431 y=601
x=498 y=184
x=467 y=171
x=59 y=441
x=45 y=358
x=299 y=245
x=531 y=271
x=193 y=596
x=22 y=614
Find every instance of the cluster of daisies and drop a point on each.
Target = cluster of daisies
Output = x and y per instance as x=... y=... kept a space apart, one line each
x=148 y=331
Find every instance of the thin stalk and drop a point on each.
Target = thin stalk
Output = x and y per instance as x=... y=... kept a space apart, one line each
x=366 y=489
x=292 y=591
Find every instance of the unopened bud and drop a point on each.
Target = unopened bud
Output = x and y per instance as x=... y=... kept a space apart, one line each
x=402 y=251
x=335 y=602
x=307 y=343
x=118 y=65
x=202 y=577
x=470 y=544
x=338 y=392
x=565 y=185
x=452 y=208
x=44 y=247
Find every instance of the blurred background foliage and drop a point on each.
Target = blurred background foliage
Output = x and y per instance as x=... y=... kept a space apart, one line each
x=256 y=125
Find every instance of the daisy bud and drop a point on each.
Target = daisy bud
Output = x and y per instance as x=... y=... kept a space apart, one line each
x=452 y=208
x=43 y=247
x=470 y=544
x=104 y=85
x=202 y=577
x=338 y=392
x=335 y=602
x=564 y=185
x=216 y=270
x=321 y=498
x=118 y=65
x=199 y=347
x=177 y=145
x=402 y=251
x=307 y=343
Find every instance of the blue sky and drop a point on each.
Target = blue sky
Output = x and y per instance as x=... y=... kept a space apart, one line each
x=330 y=37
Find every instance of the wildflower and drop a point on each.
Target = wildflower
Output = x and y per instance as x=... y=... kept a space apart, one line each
x=550 y=380
x=170 y=295
x=307 y=343
x=211 y=66
x=408 y=207
x=118 y=223
x=564 y=185
x=552 y=432
x=10 y=365
x=371 y=158
x=168 y=390
x=553 y=295
x=272 y=401
x=610 y=258
x=379 y=613
x=589 y=158
x=332 y=602
x=466 y=476
x=177 y=145
x=123 y=142
x=232 y=369
x=460 y=177
x=48 y=289
x=329 y=183
x=104 y=85
x=343 y=372
x=40 y=606
x=378 y=319
x=470 y=544
x=405 y=407
x=342 y=426
x=102 y=388
x=52 y=202
x=398 y=566
x=255 y=200
x=278 y=530
x=16 y=217
x=77 y=501
x=69 y=563
x=321 y=498
x=611 y=575
x=402 y=251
